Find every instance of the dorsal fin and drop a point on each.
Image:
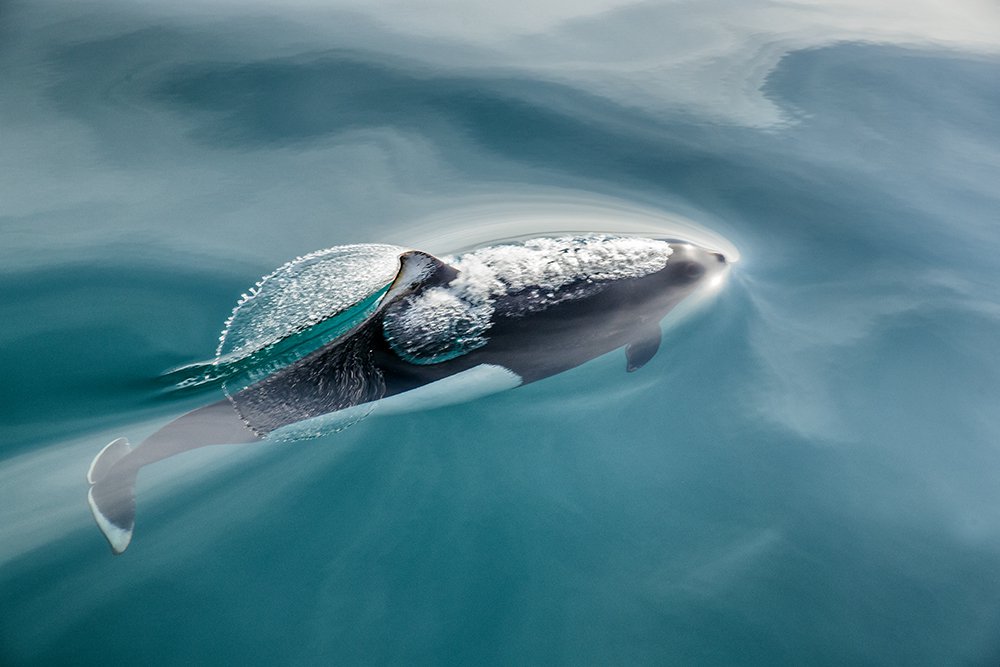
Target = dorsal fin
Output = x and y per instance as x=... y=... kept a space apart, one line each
x=418 y=270
x=432 y=320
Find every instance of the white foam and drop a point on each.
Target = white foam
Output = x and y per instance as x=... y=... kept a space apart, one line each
x=553 y=263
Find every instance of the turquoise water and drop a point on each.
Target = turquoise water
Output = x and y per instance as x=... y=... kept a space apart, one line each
x=806 y=473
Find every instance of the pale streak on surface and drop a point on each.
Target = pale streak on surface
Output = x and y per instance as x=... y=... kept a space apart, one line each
x=681 y=56
x=42 y=491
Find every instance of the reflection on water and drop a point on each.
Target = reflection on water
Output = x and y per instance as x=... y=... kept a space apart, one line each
x=804 y=473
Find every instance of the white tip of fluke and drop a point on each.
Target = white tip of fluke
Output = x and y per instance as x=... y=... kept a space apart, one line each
x=113 y=452
x=118 y=537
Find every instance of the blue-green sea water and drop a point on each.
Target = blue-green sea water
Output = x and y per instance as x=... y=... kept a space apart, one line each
x=807 y=473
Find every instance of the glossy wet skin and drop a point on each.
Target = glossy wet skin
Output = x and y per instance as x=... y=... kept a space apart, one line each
x=572 y=332
x=533 y=341
x=534 y=346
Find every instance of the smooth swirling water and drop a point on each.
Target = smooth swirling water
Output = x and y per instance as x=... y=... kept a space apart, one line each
x=806 y=473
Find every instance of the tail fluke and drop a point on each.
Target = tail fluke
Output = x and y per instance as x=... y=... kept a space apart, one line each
x=112 y=494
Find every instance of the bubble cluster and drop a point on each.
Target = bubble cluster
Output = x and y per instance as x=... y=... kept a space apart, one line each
x=304 y=292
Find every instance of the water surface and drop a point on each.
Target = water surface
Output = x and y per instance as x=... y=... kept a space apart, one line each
x=806 y=473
